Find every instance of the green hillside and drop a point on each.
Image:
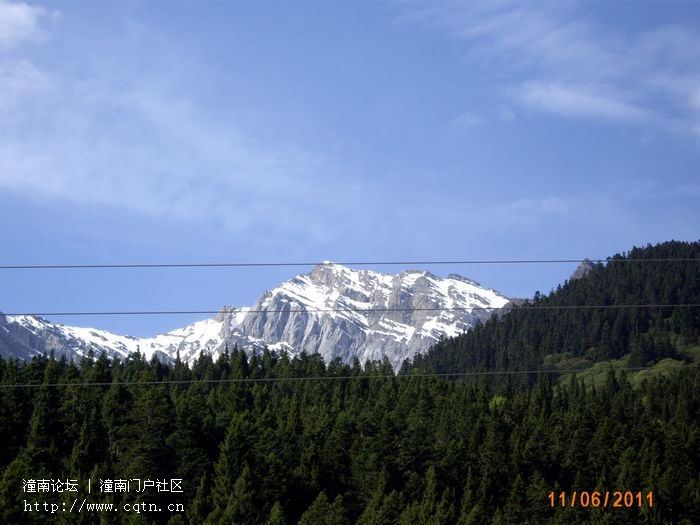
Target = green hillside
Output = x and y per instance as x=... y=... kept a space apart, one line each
x=638 y=310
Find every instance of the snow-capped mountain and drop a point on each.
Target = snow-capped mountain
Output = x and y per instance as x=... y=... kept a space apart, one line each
x=347 y=313
x=333 y=310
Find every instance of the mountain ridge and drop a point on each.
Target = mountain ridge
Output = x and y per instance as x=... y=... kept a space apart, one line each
x=334 y=310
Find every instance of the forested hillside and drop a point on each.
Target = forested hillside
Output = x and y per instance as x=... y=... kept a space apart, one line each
x=266 y=439
x=642 y=305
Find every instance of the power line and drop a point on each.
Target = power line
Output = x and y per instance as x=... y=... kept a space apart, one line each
x=526 y=307
x=332 y=378
x=327 y=263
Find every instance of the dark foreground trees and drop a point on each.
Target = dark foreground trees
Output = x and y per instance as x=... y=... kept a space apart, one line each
x=266 y=443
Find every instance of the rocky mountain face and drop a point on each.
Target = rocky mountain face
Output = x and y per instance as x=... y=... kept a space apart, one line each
x=333 y=310
x=346 y=313
x=582 y=270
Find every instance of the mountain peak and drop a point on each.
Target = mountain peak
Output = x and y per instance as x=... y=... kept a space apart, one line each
x=342 y=312
x=328 y=266
x=337 y=276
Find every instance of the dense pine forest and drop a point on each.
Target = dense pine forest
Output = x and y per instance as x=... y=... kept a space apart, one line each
x=616 y=311
x=581 y=406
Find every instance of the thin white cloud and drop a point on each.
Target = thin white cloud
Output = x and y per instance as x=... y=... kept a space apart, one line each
x=555 y=57
x=142 y=143
x=144 y=146
x=468 y=120
x=153 y=154
x=577 y=101
x=19 y=79
x=20 y=22
x=21 y=75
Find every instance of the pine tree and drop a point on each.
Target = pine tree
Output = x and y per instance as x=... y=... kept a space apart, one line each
x=276 y=516
x=240 y=506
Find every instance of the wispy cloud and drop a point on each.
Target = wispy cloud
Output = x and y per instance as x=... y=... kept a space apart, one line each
x=577 y=101
x=146 y=147
x=20 y=22
x=20 y=78
x=157 y=156
x=556 y=57
x=468 y=120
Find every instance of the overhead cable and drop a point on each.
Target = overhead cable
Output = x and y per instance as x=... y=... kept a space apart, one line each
x=328 y=263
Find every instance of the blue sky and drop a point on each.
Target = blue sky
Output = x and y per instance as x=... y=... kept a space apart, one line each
x=181 y=131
